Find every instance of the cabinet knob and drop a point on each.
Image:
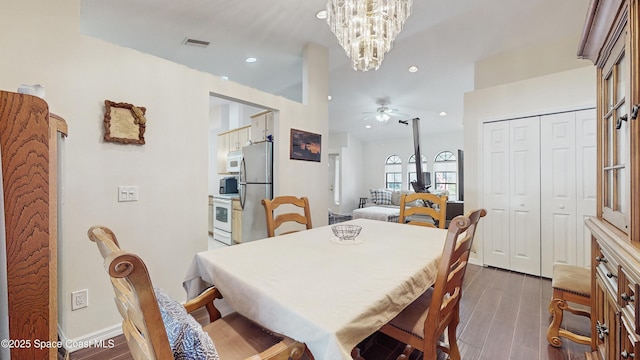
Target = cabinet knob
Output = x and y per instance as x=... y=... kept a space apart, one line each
x=625 y=354
x=521 y=204
x=624 y=296
x=561 y=206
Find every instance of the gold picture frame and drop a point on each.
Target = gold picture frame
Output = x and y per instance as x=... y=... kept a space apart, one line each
x=124 y=123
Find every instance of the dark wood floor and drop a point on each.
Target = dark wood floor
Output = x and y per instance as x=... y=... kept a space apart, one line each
x=503 y=316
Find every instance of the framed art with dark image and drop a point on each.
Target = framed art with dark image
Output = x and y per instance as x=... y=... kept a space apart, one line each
x=305 y=145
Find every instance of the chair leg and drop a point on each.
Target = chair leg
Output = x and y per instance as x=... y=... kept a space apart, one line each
x=454 y=352
x=556 y=307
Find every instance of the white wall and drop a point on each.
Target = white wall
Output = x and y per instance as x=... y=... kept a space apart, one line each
x=40 y=43
x=351 y=153
x=567 y=90
x=375 y=153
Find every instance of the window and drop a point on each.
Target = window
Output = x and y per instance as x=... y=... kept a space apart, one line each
x=393 y=173
x=615 y=139
x=411 y=169
x=445 y=168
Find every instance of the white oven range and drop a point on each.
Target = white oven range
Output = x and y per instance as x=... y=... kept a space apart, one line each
x=222 y=210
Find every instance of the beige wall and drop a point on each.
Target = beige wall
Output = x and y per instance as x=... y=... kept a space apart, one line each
x=533 y=62
x=40 y=43
x=562 y=91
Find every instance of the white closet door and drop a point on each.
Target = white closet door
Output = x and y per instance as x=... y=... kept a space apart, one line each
x=558 y=191
x=586 y=157
x=525 y=195
x=496 y=194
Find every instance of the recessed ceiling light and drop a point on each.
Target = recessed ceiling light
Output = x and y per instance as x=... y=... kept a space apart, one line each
x=443 y=113
x=251 y=60
x=329 y=97
x=368 y=126
x=224 y=77
x=413 y=68
x=321 y=15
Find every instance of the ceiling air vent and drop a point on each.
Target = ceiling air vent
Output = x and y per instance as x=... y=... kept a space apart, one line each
x=195 y=42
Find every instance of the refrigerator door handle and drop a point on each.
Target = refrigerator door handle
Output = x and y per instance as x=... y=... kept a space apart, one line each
x=242 y=184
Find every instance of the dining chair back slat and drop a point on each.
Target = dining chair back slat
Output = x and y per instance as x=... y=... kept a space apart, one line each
x=275 y=221
x=433 y=207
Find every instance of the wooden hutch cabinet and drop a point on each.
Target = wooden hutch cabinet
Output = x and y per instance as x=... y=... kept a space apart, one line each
x=611 y=40
x=29 y=150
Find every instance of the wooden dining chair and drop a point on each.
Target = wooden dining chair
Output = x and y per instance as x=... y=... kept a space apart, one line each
x=157 y=327
x=274 y=221
x=421 y=208
x=421 y=324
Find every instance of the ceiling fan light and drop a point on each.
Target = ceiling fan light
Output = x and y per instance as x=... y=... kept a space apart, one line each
x=382 y=117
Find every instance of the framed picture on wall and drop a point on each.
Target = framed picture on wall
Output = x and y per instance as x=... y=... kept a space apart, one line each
x=305 y=145
x=124 y=123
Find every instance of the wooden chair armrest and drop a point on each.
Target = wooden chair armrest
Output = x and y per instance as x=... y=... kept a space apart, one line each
x=287 y=349
x=205 y=299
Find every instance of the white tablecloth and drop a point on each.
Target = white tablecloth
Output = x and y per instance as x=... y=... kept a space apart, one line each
x=326 y=295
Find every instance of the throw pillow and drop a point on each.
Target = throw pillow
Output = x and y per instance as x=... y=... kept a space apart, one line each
x=381 y=196
x=186 y=337
x=395 y=198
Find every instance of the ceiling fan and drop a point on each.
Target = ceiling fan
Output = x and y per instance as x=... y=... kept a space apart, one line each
x=383 y=113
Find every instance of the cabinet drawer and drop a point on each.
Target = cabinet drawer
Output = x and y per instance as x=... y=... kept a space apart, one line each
x=628 y=290
x=629 y=342
x=607 y=268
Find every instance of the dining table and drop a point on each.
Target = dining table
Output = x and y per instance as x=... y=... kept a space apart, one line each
x=314 y=288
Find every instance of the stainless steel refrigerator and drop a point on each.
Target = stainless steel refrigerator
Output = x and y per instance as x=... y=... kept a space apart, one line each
x=256 y=183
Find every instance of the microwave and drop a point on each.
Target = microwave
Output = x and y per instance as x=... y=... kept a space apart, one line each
x=234 y=158
x=229 y=185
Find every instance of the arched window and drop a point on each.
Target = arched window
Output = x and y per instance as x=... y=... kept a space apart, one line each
x=393 y=172
x=445 y=170
x=411 y=168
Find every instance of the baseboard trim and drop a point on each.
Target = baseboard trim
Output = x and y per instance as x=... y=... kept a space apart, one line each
x=475 y=261
x=100 y=338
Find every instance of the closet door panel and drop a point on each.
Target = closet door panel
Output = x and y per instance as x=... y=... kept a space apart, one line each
x=496 y=247
x=558 y=195
x=524 y=148
x=586 y=186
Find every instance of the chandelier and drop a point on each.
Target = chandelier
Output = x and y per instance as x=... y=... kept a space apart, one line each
x=366 y=28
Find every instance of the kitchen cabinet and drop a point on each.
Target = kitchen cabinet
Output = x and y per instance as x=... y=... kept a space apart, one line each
x=233 y=140
x=262 y=126
x=611 y=40
x=238 y=138
x=236 y=222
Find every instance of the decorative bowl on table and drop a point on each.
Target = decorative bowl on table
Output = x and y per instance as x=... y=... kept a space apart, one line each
x=346 y=232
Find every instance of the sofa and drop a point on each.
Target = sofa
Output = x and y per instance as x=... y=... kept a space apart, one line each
x=383 y=204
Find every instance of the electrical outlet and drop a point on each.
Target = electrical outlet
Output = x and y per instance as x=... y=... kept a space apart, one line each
x=79 y=299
